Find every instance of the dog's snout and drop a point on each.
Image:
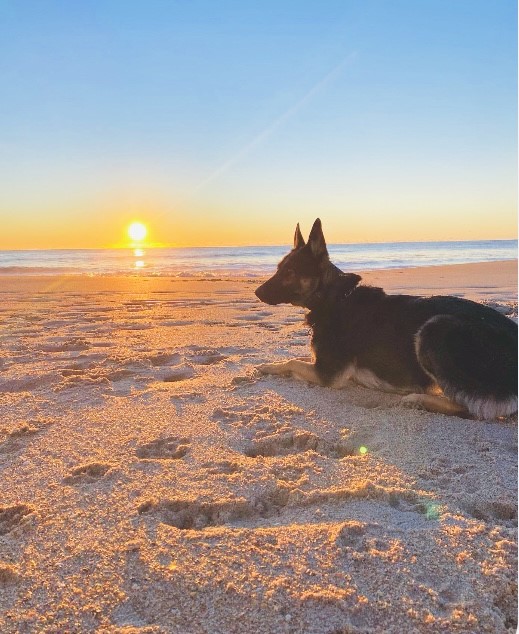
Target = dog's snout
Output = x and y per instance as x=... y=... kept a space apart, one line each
x=260 y=293
x=268 y=293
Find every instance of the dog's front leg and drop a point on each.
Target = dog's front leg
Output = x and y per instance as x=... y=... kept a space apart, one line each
x=296 y=368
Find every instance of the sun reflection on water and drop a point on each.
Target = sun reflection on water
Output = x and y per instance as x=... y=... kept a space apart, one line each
x=138 y=261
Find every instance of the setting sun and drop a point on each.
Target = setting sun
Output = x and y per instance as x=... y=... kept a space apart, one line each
x=137 y=231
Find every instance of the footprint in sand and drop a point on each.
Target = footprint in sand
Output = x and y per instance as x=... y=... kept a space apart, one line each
x=199 y=514
x=188 y=397
x=242 y=379
x=13 y=516
x=208 y=357
x=223 y=467
x=182 y=373
x=8 y=574
x=292 y=441
x=164 y=358
x=362 y=537
x=195 y=515
x=282 y=444
x=252 y=423
x=281 y=505
x=490 y=510
x=67 y=345
x=353 y=444
x=88 y=473
x=18 y=437
x=28 y=383
x=351 y=535
x=269 y=432
x=170 y=448
x=296 y=472
x=240 y=416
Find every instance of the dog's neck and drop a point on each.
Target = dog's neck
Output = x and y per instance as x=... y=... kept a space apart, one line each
x=334 y=285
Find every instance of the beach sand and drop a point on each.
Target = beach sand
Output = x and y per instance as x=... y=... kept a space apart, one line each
x=152 y=482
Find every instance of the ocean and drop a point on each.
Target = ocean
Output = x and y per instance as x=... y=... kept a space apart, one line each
x=249 y=261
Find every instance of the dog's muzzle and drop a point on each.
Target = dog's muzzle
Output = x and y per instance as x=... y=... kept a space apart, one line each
x=264 y=293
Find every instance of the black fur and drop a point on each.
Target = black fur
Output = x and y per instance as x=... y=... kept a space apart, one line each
x=412 y=343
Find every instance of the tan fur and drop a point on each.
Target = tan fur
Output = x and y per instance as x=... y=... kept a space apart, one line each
x=366 y=378
x=438 y=404
x=296 y=368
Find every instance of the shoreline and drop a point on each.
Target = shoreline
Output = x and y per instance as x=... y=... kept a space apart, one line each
x=480 y=280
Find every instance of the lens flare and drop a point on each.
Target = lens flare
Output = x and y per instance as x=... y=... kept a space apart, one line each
x=432 y=511
x=363 y=450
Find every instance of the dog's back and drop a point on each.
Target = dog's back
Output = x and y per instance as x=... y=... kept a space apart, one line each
x=411 y=343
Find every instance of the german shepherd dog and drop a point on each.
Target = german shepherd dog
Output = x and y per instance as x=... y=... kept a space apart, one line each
x=446 y=354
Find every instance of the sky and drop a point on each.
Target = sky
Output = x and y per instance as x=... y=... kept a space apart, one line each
x=223 y=123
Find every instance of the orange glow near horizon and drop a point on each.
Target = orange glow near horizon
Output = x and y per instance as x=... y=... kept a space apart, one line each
x=111 y=226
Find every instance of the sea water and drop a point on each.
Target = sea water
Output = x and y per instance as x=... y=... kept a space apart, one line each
x=247 y=261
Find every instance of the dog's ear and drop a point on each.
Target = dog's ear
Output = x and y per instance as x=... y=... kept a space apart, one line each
x=299 y=241
x=316 y=240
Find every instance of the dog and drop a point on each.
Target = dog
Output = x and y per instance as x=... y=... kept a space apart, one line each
x=444 y=354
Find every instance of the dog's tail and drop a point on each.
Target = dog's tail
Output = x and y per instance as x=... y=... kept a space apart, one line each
x=474 y=363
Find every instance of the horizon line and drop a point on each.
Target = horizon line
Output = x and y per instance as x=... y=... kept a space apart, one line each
x=245 y=245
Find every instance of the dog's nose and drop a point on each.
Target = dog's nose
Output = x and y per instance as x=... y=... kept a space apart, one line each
x=262 y=292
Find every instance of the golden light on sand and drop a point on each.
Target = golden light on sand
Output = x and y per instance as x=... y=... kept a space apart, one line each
x=137 y=231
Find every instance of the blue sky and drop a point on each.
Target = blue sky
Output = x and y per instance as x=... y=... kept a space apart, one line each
x=227 y=122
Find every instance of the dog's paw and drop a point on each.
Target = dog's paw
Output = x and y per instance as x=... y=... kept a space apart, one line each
x=273 y=368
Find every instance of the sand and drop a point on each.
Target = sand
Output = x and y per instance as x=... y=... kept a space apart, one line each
x=152 y=482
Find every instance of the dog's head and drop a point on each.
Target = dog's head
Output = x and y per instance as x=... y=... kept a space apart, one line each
x=301 y=273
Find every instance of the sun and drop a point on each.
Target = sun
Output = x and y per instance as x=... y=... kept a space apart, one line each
x=137 y=231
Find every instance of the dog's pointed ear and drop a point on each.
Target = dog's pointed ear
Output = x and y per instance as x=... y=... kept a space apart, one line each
x=299 y=241
x=316 y=240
